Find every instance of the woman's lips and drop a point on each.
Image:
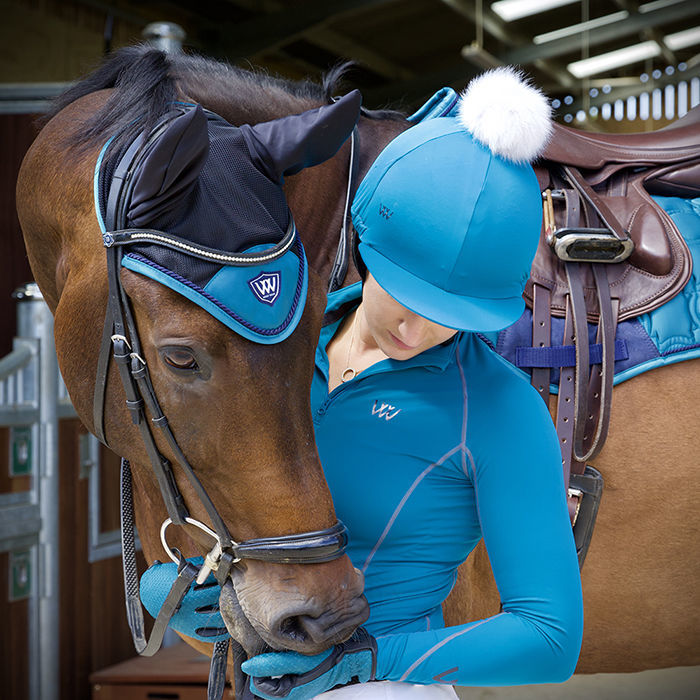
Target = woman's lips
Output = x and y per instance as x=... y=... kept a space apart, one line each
x=399 y=343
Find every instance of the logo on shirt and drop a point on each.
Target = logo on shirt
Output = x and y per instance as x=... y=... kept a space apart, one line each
x=385 y=212
x=266 y=287
x=385 y=410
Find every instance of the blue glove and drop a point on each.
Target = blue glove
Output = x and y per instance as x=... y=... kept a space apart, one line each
x=198 y=615
x=288 y=674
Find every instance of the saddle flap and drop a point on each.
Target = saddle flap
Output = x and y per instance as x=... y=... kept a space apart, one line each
x=657 y=269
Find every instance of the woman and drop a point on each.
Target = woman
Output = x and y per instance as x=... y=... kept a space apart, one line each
x=429 y=440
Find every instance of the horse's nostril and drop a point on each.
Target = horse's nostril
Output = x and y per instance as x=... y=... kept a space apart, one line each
x=293 y=629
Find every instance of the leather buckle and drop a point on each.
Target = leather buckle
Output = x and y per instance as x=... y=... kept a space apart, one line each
x=587 y=489
x=577 y=494
x=594 y=245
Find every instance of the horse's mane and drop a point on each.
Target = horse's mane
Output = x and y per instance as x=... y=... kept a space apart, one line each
x=147 y=80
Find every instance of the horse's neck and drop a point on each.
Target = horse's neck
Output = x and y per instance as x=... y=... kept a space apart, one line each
x=317 y=195
x=55 y=202
x=375 y=134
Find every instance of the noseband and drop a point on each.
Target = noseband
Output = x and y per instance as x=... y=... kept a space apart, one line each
x=120 y=341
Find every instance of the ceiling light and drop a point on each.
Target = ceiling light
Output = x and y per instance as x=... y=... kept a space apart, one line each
x=657 y=5
x=581 y=27
x=509 y=10
x=684 y=39
x=614 y=59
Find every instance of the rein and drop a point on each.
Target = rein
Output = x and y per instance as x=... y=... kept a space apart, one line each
x=120 y=341
x=342 y=253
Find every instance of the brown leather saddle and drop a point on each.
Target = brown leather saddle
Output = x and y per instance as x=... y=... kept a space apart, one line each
x=608 y=252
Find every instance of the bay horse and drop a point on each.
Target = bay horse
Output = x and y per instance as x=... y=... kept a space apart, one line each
x=244 y=425
x=641 y=573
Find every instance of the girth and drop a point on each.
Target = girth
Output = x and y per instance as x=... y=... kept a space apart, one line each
x=121 y=342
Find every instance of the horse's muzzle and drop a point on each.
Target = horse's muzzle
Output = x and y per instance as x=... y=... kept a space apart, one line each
x=259 y=614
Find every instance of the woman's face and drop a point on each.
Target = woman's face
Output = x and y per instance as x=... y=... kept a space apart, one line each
x=399 y=333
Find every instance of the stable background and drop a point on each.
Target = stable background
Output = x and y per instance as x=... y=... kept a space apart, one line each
x=614 y=65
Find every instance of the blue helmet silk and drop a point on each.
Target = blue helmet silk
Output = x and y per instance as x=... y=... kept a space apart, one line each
x=448 y=228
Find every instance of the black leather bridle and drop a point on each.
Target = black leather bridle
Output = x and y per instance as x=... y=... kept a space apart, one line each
x=121 y=342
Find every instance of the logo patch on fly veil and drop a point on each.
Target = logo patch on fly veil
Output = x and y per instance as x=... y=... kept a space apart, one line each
x=266 y=287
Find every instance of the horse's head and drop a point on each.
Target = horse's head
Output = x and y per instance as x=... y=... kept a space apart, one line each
x=239 y=409
x=240 y=412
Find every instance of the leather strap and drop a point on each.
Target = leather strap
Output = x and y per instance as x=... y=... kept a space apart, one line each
x=217 y=670
x=127 y=356
x=186 y=574
x=241 y=680
x=565 y=404
x=585 y=394
x=541 y=337
x=599 y=395
x=342 y=254
x=303 y=548
x=601 y=208
x=580 y=328
x=573 y=211
x=98 y=402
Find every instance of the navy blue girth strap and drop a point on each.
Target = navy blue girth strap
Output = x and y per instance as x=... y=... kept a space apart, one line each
x=564 y=355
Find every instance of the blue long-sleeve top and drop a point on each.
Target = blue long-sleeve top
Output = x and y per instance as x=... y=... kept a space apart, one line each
x=424 y=457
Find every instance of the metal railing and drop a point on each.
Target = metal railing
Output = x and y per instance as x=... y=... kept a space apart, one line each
x=29 y=406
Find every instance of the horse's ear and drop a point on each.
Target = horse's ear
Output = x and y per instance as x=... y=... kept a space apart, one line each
x=171 y=168
x=287 y=145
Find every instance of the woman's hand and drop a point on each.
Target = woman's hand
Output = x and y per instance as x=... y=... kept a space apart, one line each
x=198 y=615
x=289 y=674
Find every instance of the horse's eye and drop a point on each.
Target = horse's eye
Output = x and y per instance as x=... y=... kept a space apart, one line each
x=180 y=358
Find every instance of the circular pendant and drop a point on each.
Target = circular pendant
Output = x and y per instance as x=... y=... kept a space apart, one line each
x=348 y=374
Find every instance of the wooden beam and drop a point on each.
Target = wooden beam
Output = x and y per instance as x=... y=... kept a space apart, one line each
x=348 y=48
x=272 y=30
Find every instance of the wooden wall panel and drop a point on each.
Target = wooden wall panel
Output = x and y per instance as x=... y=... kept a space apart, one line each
x=14 y=640
x=14 y=637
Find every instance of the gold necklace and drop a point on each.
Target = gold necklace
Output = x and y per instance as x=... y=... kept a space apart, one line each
x=350 y=372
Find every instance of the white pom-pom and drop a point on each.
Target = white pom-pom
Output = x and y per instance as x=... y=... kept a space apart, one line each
x=505 y=113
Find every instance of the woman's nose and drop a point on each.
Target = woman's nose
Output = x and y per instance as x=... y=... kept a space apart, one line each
x=412 y=328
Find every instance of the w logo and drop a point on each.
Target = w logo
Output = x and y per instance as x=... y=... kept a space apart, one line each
x=266 y=287
x=385 y=410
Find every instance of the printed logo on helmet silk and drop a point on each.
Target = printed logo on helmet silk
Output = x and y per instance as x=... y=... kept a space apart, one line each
x=266 y=287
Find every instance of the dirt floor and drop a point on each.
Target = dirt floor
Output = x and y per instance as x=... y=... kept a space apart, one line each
x=666 y=684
